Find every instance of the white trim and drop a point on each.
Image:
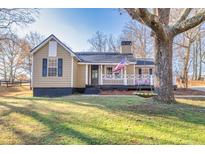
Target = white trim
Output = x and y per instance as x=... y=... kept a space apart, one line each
x=101 y=80
x=86 y=74
x=89 y=70
x=83 y=63
x=32 y=71
x=134 y=74
x=151 y=80
x=144 y=66
x=125 y=76
x=58 y=41
x=72 y=71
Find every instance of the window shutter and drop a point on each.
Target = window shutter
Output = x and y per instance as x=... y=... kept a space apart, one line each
x=44 y=67
x=60 y=67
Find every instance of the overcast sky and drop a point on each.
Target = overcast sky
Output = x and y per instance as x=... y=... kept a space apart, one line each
x=76 y=26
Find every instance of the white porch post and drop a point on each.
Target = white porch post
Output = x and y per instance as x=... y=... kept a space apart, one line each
x=151 y=80
x=134 y=76
x=101 y=80
x=125 y=76
x=32 y=72
x=86 y=74
x=72 y=72
x=174 y=80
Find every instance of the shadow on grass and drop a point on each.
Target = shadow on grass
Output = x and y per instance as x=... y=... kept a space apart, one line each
x=185 y=112
x=56 y=127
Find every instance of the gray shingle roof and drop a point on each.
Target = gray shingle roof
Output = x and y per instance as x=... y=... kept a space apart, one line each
x=110 y=57
x=144 y=62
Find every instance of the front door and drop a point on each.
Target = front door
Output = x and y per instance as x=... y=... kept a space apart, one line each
x=94 y=74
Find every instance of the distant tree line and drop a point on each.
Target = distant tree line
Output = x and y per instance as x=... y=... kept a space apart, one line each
x=15 y=59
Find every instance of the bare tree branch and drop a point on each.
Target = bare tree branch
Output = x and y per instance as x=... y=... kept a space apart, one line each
x=189 y=23
x=149 y=19
x=163 y=15
x=183 y=15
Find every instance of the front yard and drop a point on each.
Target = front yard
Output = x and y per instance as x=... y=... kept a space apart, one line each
x=99 y=120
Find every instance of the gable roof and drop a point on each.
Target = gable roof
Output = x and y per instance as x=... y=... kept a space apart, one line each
x=53 y=37
x=111 y=57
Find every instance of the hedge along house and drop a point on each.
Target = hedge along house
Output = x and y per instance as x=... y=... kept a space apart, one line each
x=58 y=71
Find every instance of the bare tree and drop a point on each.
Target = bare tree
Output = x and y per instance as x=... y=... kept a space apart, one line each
x=101 y=42
x=113 y=44
x=12 y=59
x=9 y=43
x=34 y=39
x=199 y=53
x=184 y=54
x=164 y=34
x=15 y=17
x=140 y=36
x=98 y=42
x=31 y=40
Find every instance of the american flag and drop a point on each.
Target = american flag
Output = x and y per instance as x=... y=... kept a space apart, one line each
x=120 y=66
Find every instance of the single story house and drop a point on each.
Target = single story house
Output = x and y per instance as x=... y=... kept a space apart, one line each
x=59 y=71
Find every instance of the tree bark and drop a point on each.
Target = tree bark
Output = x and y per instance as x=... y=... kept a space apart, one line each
x=163 y=66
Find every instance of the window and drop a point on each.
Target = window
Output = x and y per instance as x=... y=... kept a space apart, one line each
x=140 y=71
x=150 y=71
x=94 y=74
x=52 y=50
x=109 y=70
x=52 y=67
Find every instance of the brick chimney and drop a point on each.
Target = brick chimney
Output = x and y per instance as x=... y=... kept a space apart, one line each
x=126 y=47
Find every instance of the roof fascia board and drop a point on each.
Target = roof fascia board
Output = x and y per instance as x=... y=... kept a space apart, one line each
x=144 y=65
x=82 y=63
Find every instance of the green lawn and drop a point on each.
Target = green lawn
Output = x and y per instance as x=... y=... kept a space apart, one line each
x=100 y=120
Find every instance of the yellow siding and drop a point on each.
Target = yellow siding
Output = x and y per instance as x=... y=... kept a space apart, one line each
x=75 y=73
x=130 y=69
x=81 y=76
x=126 y=49
x=39 y=81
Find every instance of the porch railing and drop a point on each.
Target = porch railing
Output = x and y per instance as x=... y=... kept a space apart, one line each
x=129 y=79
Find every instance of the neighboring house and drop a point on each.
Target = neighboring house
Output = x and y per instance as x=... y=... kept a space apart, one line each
x=58 y=71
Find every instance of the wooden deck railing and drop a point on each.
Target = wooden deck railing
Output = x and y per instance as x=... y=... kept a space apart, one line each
x=13 y=83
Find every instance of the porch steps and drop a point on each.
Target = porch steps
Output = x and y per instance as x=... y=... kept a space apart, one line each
x=92 y=90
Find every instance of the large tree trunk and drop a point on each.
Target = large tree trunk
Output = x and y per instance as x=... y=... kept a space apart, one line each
x=163 y=72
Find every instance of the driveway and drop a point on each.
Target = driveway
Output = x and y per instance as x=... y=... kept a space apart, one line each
x=201 y=88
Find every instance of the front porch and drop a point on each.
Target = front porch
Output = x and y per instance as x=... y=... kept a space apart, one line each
x=131 y=75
